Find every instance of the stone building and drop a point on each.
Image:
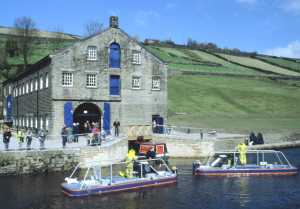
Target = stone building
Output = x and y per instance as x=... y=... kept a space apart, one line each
x=103 y=78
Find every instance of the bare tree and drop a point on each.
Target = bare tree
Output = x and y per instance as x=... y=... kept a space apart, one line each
x=26 y=34
x=93 y=28
x=59 y=38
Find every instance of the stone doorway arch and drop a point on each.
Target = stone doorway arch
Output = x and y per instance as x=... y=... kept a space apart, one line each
x=87 y=112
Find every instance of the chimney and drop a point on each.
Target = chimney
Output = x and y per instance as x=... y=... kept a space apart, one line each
x=114 y=22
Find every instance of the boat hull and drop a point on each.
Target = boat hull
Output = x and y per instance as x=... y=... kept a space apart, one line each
x=117 y=187
x=245 y=172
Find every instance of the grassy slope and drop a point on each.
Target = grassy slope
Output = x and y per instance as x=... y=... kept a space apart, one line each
x=233 y=103
x=193 y=60
x=292 y=64
x=248 y=61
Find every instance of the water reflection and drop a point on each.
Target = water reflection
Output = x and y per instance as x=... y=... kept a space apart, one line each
x=43 y=192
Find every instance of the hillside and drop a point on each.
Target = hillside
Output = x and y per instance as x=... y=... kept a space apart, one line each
x=223 y=91
x=244 y=100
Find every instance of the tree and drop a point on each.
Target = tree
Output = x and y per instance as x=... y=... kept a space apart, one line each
x=93 y=28
x=59 y=38
x=26 y=35
x=4 y=66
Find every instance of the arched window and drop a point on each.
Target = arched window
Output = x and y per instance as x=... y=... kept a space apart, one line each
x=114 y=56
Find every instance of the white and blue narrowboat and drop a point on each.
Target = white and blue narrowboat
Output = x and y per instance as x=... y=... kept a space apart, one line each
x=96 y=180
x=258 y=162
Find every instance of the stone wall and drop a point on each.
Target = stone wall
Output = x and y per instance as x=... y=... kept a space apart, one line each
x=40 y=161
x=191 y=148
x=25 y=162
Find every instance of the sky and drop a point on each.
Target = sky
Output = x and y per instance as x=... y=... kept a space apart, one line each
x=266 y=26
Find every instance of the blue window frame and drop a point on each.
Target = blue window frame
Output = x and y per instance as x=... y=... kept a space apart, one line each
x=114 y=56
x=115 y=85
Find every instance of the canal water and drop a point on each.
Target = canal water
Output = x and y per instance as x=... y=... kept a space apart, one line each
x=43 y=192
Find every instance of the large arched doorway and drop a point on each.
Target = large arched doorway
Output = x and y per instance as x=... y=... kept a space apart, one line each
x=87 y=112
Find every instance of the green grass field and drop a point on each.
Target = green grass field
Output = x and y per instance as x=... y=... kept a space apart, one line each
x=199 y=61
x=233 y=103
x=293 y=64
x=248 y=61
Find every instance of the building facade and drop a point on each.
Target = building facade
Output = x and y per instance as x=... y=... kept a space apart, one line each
x=104 y=78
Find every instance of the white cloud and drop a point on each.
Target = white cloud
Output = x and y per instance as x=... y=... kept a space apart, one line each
x=291 y=6
x=246 y=1
x=142 y=18
x=291 y=50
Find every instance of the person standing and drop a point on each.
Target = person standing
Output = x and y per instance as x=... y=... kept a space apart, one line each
x=20 y=138
x=28 y=139
x=6 y=137
x=242 y=149
x=201 y=134
x=116 y=125
x=64 y=136
x=42 y=138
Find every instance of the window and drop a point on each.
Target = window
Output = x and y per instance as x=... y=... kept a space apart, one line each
x=41 y=123
x=46 y=80
x=23 y=89
x=136 y=57
x=4 y=92
x=91 y=80
x=31 y=122
x=67 y=79
x=31 y=85
x=36 y=123
x=155 y=83
x=114 y=56
x=27 y=88
x=16 y=91
x=92 y=53
x=47 y=123
x=36 y=84
x=41 y=82
x=114 y=85
x=27 y=122
x=136 y=82
x=20 y=90
x=9 y=89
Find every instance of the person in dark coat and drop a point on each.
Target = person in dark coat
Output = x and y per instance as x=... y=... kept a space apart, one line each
x=64 y=136
x=42 y=138
x=116 y=124
x=252 y=139
x=151 y=153
x=260 y=138
x=6 y=137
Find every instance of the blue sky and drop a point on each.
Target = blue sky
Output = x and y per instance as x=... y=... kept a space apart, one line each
x=266 y=26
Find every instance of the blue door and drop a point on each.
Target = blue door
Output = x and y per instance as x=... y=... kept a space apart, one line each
x=106 y=117
x=114 y=85
x=114 y=56
x=68 y=114
x=9 y=107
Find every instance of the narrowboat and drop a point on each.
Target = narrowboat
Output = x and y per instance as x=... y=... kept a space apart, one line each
x=93 y=179
x=258 y=162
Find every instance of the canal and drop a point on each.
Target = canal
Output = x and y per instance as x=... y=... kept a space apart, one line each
x=43 y=192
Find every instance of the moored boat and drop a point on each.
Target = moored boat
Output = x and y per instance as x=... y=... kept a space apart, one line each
x=96 y=180
x=258 y=162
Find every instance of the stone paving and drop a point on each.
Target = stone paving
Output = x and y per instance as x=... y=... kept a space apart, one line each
x=56 y=143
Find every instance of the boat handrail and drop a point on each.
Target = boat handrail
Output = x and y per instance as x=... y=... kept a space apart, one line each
x=248 y=151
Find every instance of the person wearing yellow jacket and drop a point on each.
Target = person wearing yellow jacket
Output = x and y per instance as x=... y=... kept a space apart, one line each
x=242 y=149
x=129 y=163
x=20 y=138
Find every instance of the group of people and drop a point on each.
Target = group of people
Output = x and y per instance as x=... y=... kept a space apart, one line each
x=255 y=139
x=242 y=148
x=22 y=136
